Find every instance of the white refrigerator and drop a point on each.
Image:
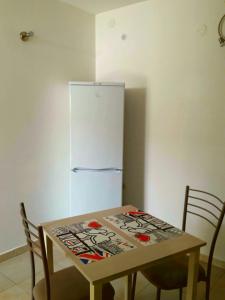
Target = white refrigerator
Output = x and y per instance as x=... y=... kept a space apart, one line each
x=96 y=146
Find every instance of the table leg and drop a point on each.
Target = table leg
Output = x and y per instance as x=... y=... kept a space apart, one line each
x=49 y=249
x=193 y=266
x=95 y=292
x=128 y=287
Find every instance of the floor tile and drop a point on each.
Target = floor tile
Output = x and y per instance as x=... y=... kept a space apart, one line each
x=18 y=269
x=26 y=284
x=5 y=283
x=149 y=292
x=14 y=293
x=119 y=285
x=218 y=289
x=216 y=273
x=141 y=283
x=58 y=255
x=63 y=263
x=15 y=281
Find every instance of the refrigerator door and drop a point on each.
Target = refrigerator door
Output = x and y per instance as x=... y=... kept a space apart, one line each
x=96 y=126
x=92 y=191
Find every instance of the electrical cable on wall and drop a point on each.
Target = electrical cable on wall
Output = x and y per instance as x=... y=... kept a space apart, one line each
x=220 y=31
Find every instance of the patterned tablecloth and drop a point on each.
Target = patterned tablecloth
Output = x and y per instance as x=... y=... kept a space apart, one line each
x=143 y=227
x=92 y=241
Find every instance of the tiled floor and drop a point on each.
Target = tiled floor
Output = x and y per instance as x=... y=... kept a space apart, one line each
x=15 y=281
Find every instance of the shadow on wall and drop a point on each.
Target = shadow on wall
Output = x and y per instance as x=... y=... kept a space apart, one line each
x=134 y=146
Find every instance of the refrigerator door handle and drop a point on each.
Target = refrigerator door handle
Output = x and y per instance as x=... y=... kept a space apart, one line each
x=76 y=170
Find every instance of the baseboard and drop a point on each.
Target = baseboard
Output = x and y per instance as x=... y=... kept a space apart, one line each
x=12 y=253
x=216 y=262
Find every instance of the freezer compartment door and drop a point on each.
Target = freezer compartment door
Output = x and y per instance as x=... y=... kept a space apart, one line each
x=93 y=191
x=97 y=126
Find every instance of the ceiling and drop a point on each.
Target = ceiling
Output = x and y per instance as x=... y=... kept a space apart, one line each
x=98 y=6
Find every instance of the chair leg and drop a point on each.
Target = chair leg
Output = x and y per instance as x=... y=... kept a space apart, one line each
x=207 y=290
x=180 y=293
x=133 y=286
x=158 y=295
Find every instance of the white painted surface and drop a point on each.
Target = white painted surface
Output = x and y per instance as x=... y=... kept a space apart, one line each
x=97 y=126
x=93 y=191
x=173 y=67
x=97 y=83
x=96 y=135
x=34 y=114
x=97 y=6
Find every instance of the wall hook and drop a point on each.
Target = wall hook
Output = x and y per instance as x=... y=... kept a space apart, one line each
x=220 y=31
x=24 y=36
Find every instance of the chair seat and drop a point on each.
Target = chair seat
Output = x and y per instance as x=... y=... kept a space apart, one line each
x=69 y=284
x=171 y=273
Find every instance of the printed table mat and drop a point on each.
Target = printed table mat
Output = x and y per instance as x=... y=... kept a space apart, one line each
x=143 y=227
x=91 y=241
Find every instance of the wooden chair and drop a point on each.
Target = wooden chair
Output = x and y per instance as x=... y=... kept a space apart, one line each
x=172 y=273
x=67 y=284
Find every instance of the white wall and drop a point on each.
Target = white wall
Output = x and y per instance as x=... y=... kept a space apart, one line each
x=34 y=101
x=169 y=56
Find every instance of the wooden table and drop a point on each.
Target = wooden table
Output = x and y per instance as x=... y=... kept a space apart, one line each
x=128 y=262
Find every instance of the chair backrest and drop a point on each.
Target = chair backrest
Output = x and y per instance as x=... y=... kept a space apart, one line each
x=208 y=207
x=36 y=245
